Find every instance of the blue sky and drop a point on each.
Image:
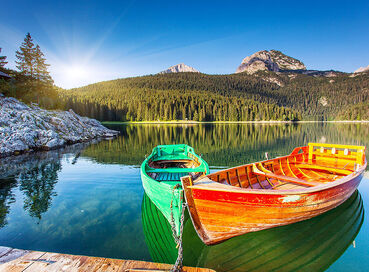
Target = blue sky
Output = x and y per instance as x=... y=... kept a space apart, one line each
x=91 y=41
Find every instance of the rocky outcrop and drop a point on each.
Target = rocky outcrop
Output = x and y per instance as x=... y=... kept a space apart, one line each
x=362 y=69
x=26 y=128
x=317 y=73
x=272 y=60
x=179 y=68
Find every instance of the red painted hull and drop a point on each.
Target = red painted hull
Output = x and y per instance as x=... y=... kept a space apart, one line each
x=228 y=214
x=220 y=211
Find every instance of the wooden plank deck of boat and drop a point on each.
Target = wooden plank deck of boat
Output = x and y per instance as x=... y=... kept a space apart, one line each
x=16 y=260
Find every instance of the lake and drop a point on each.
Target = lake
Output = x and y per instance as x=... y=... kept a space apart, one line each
x=87 y=199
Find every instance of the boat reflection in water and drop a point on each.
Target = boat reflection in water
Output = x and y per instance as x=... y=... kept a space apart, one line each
x=310 y=245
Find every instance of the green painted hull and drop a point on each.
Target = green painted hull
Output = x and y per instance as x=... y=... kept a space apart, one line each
x=310 y=245
x=167 y=191
x=162 y=195
x=158 y=233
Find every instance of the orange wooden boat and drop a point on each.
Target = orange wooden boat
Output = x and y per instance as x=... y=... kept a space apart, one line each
x=310 y=181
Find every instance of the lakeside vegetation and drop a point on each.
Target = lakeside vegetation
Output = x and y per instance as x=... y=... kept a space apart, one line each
x=236 y=97
x=31 y=82
x=130 y=103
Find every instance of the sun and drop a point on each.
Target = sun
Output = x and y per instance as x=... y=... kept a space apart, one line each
x=76 y=72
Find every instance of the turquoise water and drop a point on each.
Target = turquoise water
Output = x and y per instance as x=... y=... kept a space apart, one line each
x=87 y=198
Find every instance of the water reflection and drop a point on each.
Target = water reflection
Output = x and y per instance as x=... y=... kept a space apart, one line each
x=86 y=199
x=311 y=245
x=223 y=144
x=6 y=198
x=37 y=185
x=36 y=175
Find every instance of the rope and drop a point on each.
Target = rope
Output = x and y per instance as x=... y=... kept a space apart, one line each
x=178 y=239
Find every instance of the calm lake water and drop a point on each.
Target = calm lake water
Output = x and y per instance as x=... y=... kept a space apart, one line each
x=88 y=199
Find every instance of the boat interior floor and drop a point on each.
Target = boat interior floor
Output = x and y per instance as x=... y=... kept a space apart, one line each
x=164 y=164
x=168 y=176
x=281 y=174
x=172 y=178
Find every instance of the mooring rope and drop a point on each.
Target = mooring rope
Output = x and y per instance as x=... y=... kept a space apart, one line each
x=178 y=239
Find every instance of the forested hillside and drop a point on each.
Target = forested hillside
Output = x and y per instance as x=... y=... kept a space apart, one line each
x=236 y=97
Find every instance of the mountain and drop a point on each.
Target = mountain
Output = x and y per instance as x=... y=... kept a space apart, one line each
x=268 y=85
x=179 y=68
x=272 y=60
x=362 y=69
x=264 y=95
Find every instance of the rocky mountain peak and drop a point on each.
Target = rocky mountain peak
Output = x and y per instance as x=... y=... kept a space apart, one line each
x=362 y=69
x=179 y=68
x=272 y=60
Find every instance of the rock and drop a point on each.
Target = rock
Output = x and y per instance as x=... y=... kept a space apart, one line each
x=25 y=128
x=323 y=101
x=272 y=60
x=274 y=80
x=362 y=69
x=179 y=68
x=53 y=143
x=286 y=63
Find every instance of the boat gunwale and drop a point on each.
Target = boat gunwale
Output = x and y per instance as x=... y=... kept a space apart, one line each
x=235 y=189
x=164 y=184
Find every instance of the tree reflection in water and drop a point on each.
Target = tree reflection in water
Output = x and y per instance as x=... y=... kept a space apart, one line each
x=37 y=185
x=36 y=174
x=6 y=198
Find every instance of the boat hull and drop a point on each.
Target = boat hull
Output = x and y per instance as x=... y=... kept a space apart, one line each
x=222 y=214
x=163 y=195
x=160 y=175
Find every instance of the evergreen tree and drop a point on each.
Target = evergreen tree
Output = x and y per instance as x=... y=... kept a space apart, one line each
x=26 y=56
x=2 y=60
x=40 y=67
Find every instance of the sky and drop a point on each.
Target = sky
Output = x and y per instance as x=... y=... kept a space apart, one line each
x=91 y=41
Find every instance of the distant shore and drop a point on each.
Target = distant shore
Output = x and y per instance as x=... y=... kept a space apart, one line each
x=228 y=122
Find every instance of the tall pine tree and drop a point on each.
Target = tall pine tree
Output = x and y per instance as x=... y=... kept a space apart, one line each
x=2 y=60
x=26 y=56
x=40 y=67
x=36 y=83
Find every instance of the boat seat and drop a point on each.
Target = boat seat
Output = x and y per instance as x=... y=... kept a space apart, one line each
x=170 y=176
x=284 y=178
x=170 y=157
x=332 y=169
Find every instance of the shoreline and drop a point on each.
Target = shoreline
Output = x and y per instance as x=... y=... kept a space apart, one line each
x=230 y=122
x=26 y=128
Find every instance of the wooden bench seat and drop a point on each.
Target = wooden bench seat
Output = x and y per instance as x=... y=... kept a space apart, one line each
x=170 y=176
x=331 y=169
x=269 y=174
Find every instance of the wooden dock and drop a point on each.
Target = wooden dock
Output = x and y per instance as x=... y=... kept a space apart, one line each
x=17 y=260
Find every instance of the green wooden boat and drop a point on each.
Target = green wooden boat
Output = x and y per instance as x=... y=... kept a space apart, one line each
x=161 y=173
x=310 y=245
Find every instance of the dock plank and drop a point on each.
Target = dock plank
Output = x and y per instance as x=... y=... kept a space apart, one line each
x=15 y=260
x=18 y=260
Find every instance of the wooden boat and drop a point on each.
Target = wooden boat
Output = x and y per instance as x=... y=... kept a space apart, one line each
x=310 y=245
x=161 y=172
x=308 y=182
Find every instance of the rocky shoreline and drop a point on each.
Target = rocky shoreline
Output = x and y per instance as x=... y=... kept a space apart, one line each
x=26 y=128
